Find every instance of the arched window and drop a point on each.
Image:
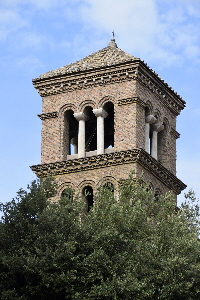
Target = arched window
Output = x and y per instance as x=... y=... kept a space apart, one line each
x=109 y=186
x=109 y=125
x=87 y=194
x=68 y=193
x=70 y=134
x=157 y=195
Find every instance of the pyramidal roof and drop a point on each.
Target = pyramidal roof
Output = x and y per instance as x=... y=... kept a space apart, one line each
x=108 y=56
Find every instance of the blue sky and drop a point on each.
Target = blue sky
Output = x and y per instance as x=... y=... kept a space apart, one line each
x=41 y=35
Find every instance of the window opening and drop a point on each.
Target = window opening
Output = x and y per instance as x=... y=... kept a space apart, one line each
x=157 y=195
x=109 y=186
x=70 y=134
x=88 y=196
x=68 y=193
x=109 y=125
x=162 y=145
x=90 y=130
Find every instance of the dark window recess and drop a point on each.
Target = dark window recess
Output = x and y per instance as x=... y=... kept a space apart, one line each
x=88 y=196
x=109 y=125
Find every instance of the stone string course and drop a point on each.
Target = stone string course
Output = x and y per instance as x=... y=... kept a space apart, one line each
x=50 y=115
x=113 y=159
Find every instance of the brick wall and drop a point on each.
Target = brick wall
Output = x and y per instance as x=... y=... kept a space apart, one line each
x=96 y=178
x=129 y=125
x=129 y=119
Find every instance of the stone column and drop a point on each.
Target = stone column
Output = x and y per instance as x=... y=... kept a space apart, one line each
x=148 y=120
x=100 y=113
x=154 y=146
x=74 y=142
x=81 y=118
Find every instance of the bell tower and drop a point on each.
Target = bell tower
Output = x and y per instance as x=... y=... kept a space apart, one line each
x=104 y=116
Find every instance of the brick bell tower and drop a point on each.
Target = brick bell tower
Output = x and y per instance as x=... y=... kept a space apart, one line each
x=104 y=116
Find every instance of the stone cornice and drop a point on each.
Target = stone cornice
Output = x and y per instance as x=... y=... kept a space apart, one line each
x=50 y=115
x=175 y=133
x=112 y=159
x=159 y=87
x=85 y=79
x=130 y=101
x=133 y=70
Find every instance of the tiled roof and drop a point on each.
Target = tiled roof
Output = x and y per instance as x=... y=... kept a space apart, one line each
x=108 y=56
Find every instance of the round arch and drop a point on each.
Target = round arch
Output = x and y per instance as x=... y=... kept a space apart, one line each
x=64 y=108
x=106 y=99
x=86 y=103
x=65 y=185
x=157 y=114
x=87 y=182
x=148 y=108
x=107 y=179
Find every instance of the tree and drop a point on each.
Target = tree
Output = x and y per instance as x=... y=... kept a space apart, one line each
x=128 y=246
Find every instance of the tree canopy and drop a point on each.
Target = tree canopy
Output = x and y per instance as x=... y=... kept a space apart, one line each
x=130 y=245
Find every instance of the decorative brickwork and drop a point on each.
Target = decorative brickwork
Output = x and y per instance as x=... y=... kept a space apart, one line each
x=105 y=100
x=138 y=156
x=53 y=114
x=175 y=133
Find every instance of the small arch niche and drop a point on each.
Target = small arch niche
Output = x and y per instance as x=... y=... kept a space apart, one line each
x=157 y=195
x=109 y=129
x=109 y=186
x=70 y=134
x=87 y=194
x=68 y=193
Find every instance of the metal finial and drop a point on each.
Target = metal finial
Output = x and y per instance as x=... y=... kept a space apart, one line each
x=113 y=34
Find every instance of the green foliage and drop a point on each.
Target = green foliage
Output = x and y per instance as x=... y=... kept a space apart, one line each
x=128 y=246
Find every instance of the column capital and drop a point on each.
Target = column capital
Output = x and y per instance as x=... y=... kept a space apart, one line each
x=157 y=127
x=81 y=116
x=150 y=119
x=100 y=112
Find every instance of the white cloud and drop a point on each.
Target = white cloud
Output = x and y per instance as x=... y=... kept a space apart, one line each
x=10 y=21
x=167 y=31
x=37 y=4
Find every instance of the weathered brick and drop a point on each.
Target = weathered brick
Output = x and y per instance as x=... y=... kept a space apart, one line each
x=131 y=87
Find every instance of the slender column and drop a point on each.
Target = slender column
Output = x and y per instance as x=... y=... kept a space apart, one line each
x=81 y=118
x=74 y=142
x=148 y=120
x=100 y=113
x=154 y=146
